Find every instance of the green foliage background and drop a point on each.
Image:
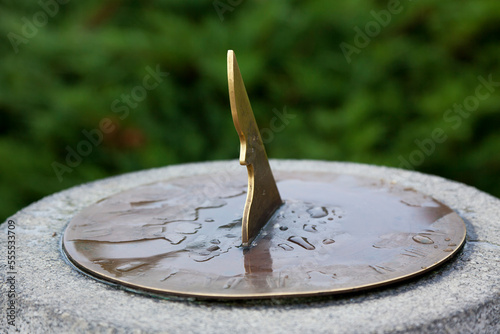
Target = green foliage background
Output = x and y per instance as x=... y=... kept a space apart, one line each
x=64 y=79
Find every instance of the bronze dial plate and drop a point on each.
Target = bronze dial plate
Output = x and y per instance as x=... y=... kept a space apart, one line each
x=333 y=234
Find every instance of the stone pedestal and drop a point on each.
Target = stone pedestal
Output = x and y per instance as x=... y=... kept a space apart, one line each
x=461 y=296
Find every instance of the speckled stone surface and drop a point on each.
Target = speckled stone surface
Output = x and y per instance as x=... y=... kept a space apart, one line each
x=463 y=296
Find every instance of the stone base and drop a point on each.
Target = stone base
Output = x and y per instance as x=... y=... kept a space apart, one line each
x=461 y=296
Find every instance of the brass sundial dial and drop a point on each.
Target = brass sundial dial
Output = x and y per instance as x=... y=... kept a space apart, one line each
x=262 y=235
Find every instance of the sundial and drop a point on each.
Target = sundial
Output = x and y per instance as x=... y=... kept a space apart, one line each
x=259 y=234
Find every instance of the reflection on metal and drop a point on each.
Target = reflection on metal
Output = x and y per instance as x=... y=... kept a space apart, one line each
x=333 y=234
x=263 y=198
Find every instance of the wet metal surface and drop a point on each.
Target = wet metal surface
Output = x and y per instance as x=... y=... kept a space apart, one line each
x=335 y=233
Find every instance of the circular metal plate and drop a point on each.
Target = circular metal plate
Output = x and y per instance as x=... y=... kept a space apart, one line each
x=334 y=234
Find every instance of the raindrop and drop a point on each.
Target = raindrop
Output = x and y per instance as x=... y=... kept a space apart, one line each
x=422 y=239
x=283 y=228
x=302 y=242
x=317 y=212
x=286 y=247
x=209 y=220
x=328 y=241
x=213 y=248
x=309 y=228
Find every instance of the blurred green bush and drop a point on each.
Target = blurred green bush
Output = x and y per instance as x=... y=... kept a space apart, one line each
x=63 y=75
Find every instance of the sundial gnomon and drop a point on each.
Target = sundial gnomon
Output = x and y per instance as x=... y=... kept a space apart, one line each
x=262 y=235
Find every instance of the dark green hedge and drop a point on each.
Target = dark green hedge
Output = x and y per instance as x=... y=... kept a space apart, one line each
x=407 y=64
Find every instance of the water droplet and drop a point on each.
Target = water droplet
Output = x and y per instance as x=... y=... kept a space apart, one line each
x=436 y=246
x=447 y=239
x=209 y=220
x=283 y=228
x=452 y=244
x=286 y=247
x=331 y=218
x=230 y=236
x=302 y=242
x=328 y=241
x=422 y=239
x=317 y=212
x=213 y=248
x=448 y=250
x=215 y=241
x=309 y=228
